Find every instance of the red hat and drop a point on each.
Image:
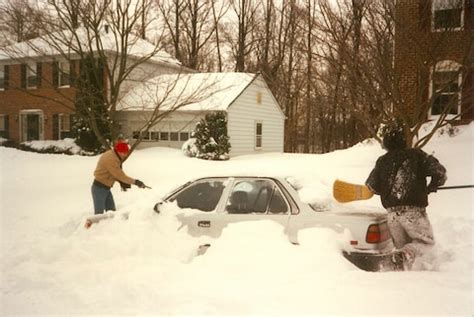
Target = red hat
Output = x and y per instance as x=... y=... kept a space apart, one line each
x=121 y=147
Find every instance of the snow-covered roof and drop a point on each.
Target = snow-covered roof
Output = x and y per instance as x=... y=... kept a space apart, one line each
x=58 y=43
x=187 y=92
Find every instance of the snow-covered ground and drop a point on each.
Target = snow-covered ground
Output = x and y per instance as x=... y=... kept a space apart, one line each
x=50 y=264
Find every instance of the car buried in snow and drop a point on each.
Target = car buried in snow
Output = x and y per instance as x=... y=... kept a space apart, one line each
x=215 y=202
x=209 y=204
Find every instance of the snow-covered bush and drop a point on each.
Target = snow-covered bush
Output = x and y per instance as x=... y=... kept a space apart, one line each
x=211 y=141
x=3 y=140
x=65 y=146
x=189 y=148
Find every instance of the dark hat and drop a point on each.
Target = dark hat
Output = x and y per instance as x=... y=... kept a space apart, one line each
x=393 y=136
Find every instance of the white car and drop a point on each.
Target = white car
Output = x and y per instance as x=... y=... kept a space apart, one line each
x=211 y=203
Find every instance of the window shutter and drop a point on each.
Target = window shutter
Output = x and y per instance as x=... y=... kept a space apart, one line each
x=55 y=127
x=424 y=15
x=467 y=105
x=23 y=76
x=39 y=74
x=72 y=73
x=55 y=74
x=7 y=129
x=469 y=14
x=7 y=76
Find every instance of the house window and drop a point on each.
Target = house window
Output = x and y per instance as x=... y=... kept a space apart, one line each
x=65 y=122
x=154 y=135
x=258 y=135
x=2 y=78
x=146 y=135
x=65 y=126
x=64 y=74
x=447 y=14
x=164 y=136
x=62 y=128
x=31 y=76
x=3 y=126
x=259 y=97
x=174 y=136
x=184 y=136
x=445 y=89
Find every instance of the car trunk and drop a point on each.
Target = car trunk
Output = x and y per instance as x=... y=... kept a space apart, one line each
x=359 y=237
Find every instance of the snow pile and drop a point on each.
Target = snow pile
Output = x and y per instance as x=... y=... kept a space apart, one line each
x=148 y=264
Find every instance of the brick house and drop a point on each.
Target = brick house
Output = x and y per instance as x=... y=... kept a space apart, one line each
x=434 y=57
x=37 y=89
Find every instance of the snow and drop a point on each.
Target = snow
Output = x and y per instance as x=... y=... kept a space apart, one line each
x=50 y=264
x=187 y=92
x=42 y=46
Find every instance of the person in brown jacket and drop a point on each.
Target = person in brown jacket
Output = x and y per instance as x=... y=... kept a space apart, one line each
x=109 y=170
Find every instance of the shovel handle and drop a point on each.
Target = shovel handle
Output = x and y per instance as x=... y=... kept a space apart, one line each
x=456 y=187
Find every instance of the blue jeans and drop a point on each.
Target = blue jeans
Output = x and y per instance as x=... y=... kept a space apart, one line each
x=103 y=199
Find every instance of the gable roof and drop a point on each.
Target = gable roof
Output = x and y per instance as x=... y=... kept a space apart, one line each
x=67 y=42
x=187 y=92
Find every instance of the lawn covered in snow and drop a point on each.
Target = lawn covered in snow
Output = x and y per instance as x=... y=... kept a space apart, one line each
x=50 y=264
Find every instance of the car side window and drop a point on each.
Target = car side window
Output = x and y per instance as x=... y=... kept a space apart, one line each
x=256 y=196
x=202 y=195
x=278 y=204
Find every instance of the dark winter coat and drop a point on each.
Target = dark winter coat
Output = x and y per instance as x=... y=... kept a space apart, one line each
x=399 y=177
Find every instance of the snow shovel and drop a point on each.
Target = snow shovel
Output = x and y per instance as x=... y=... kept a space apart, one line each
x=345 y=192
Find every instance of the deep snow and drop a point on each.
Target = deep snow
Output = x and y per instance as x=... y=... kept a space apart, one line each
x=50 y=264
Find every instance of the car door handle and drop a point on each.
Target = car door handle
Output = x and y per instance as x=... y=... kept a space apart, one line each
x=204 y=224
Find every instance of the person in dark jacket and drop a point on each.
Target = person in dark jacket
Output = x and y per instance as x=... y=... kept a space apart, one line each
x=400 y=178
x=109 y=170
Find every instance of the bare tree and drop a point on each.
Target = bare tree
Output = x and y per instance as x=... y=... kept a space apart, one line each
x=19 y=20
x=364 y=37
x=192 y=25
x=242 y=43
x=106 y=57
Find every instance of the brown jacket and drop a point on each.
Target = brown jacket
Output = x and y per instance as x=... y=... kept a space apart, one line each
x=108 y=170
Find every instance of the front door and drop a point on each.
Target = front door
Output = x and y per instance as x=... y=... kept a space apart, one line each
x=32 y=126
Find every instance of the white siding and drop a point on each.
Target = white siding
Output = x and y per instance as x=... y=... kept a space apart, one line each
x=177 y=122
x=245 y=112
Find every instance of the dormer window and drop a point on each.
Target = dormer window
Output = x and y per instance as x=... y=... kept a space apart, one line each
x=447 y=15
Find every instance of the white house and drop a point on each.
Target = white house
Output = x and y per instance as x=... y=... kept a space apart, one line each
x=255 y=120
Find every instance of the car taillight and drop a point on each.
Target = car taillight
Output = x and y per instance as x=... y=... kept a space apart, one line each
x=377 y=232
